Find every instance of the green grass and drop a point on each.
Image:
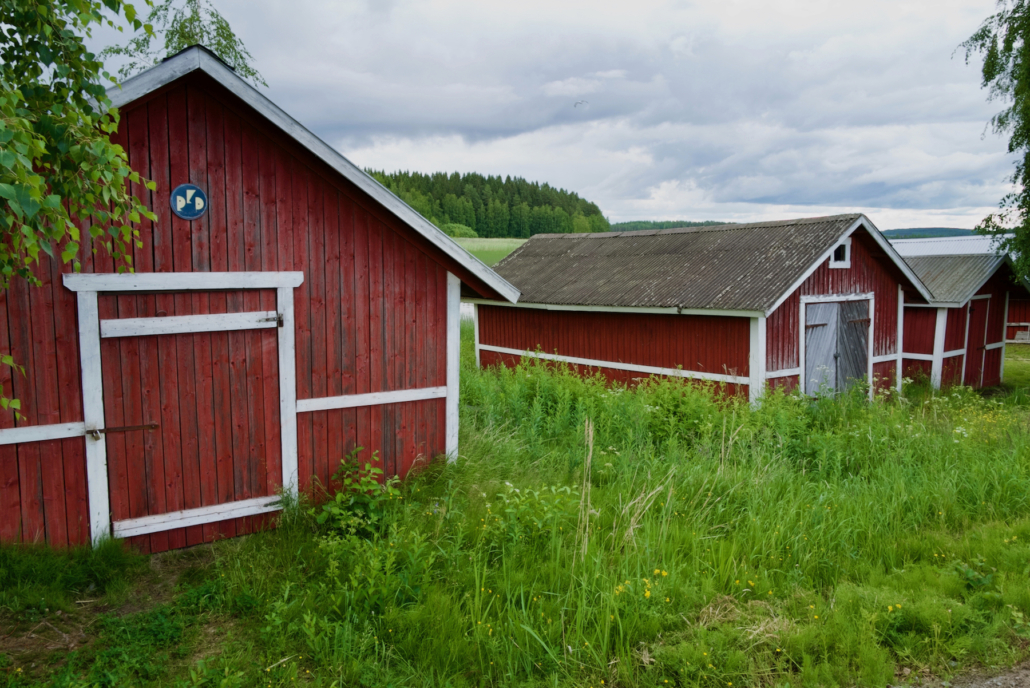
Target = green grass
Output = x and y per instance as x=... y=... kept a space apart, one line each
x=700 y=542
x=1017 y=366
x=490 y=251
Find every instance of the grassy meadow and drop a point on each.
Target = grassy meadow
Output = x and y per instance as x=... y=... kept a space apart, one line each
x=589 y=536
x=490 y=251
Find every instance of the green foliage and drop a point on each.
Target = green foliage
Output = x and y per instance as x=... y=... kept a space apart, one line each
x=58 y=168
x=459 y=231
x=196 y=22
x=361 y=500
x=637 y=225
x=494 y=207
x=1002 y=42
x=688 y=537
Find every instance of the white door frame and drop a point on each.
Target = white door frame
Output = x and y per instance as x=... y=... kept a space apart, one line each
x=983 y=353
x=92 y=329
x=834 y=298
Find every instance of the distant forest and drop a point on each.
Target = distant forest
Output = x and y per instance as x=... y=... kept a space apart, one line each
x=492 y=206
x=638 y=225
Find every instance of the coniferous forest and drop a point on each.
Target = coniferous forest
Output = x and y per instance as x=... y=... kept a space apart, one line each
x=472 y=204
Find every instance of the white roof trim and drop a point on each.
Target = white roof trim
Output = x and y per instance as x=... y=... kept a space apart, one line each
x=905 y=268
x=198 y=59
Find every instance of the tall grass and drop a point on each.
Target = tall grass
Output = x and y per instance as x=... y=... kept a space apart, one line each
x=664 y=535
x=652 y=536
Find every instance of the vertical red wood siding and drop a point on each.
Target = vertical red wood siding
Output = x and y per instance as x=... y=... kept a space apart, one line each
x=920 y=325
x=869 y=273
x=704 y=343
x=370 y=316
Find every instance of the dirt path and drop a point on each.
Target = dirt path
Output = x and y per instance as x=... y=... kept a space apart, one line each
x=1019 y=677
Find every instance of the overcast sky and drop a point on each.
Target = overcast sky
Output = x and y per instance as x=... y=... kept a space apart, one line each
x=724 y=109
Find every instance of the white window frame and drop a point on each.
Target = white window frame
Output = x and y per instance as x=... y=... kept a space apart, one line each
x=88 y=287
x=846 y=263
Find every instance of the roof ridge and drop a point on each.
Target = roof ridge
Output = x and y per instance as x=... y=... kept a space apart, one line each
x=729 y=226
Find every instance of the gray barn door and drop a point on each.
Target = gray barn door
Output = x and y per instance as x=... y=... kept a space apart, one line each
x=852 y=343
x=821 y=347
x=836 y=345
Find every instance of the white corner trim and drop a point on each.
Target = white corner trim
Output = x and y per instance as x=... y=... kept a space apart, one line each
x=937 y=361
x=899 y=341
x=621 y=309
x=786 y=372
x=185 y=324
x=475 y=327
x=181 y=281
x=453 y=364
x=1004 y=337
x=370 y=399
x=198 y=59
x=41 y=433
x=93 y=416
x=195 y=517
x=756 y=359
x=288 y=391
x=631 y=367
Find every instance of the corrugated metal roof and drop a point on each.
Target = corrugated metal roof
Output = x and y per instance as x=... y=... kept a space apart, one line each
x=730 y=267
x=953 y=279
x=946 y=246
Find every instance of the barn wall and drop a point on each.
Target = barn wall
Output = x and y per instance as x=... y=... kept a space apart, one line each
x=866 y=274
x=370 y=315
x=1019 y=312
x=712 y=344
x=920 y=325
x=955 y=330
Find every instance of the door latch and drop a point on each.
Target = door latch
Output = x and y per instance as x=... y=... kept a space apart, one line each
x=278 y=319
x=95 y=433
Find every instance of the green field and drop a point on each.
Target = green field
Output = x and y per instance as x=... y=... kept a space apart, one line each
x=1017 y=366
x=490 y=251
x=590 y=536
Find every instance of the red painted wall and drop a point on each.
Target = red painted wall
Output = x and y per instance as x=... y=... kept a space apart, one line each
x=920 y=324
x=713 y=344
x=370 y=315
x=867 y=273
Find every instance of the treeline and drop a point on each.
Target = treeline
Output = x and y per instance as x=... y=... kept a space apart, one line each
x=492 y=206
x=638 y=225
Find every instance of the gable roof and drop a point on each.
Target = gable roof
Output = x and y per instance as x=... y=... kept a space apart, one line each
x=954 y=279
x=200 y=59
x=745 y=267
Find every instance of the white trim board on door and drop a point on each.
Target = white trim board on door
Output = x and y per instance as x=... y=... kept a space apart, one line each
x=370 y=399
x=89 y=286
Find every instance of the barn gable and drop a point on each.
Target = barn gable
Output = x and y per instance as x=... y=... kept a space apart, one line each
x=304 y=316
x=726 y=304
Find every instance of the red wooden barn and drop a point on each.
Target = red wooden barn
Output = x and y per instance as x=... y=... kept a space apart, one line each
x=815 y=301
x=959 y=336
x=305 y=311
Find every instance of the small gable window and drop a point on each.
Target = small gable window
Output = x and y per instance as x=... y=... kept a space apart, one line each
x=841 y=256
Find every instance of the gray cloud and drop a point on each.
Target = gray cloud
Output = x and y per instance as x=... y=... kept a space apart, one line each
x=739 y=109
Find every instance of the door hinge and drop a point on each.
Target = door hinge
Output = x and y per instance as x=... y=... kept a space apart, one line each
x=97 y=432
x=278 y=319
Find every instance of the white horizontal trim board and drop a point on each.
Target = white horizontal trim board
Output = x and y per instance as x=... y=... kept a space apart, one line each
x=786 y=372
x=194 y=517
x=632 y=367
x=996 y=345
x=181 y=281
x=929 y=357
x=41 y=433
x=833 y=298
x=370 y=399
x=621 y=309
x=184 y=324
x=886 y=358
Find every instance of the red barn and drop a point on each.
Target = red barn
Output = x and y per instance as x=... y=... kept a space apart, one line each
x=285 y=310
x=816 y=302
x=959 y=336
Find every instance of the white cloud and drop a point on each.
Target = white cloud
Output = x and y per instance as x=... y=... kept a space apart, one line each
x=729 y=110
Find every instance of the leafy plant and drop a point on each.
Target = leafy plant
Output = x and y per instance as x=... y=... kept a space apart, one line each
x=362 y=497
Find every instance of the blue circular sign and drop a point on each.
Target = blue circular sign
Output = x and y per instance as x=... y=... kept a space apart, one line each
x=188 y=201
